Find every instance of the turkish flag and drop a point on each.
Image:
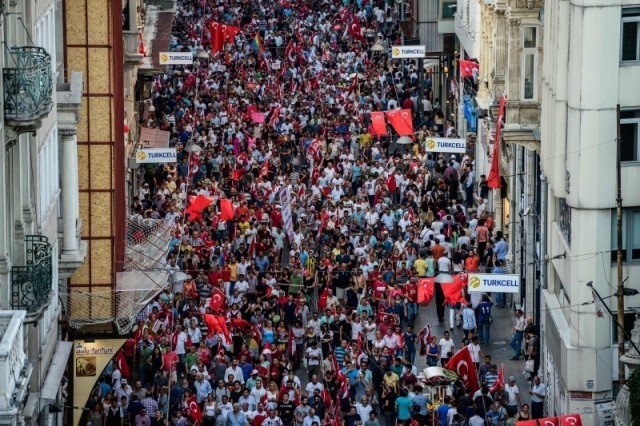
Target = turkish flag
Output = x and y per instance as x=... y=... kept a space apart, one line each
x=192 y=404
x=226 y=209
x=499 y=381
x=425 y=338
x=243 y=325
x=222 y=323
x=290 y=51
x=292 y=344
x=216 y=35
x=425 y=290
x=453 y=292
x=123 y=366
x=462 y=364
x=469 y=69
x=217 y=300
x=378 y=123
x=494 y=173
x=197 y=206
x=355 y=30
x=401 y=121
x=527 y=423
x=548 y=421
x=570 y=420
x=231 y=33
x=391 y=182
x=212 y=324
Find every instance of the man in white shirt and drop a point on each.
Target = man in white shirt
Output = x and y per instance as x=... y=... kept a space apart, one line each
x=446 y=345
x=234 y=369
x=538 y=393
x=514 y=396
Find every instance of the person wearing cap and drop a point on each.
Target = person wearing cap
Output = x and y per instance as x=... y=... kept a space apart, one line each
x=513 y=392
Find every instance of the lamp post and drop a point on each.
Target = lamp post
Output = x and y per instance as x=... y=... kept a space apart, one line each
x=622 y=292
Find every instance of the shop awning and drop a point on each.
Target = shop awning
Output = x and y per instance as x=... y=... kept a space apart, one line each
x=56 y=370
x=154 y=138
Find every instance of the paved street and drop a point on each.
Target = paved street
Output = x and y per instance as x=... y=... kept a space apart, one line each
x=499 y=349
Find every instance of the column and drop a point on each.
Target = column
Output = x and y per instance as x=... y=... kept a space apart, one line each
x=514 y=52
x=5 y=262
x=500 y=53
x=70 y=210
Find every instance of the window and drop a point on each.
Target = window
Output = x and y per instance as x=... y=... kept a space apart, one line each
x=630 y=235
x=629 y=125
x=48 y=173
x=448 y=9
x=630 y=48
x=529 y=62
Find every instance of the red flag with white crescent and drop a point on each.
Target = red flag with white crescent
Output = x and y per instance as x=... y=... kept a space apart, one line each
x=499 y=381
x=463 y=365
x=217 y=300
x=212 y=324
x=290 y=52
x=194 y=408
x=356 y=30
x=401 y=121
x=378 y=123
x=570 y=420
x=425 y=338
x=426 y=288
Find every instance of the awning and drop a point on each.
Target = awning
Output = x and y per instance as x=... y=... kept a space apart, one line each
x=56 y=370
x=154 y=138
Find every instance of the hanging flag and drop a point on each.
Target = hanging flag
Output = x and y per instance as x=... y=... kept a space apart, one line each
x=425 y=338
x=217 y=41
x=212 y=324
x=527 y=423
x=222 y=324
x=549 y=421
x=378 y=123
x=463 y=365
x=494 y=173
x=231 y=33
x=425 y=290
x=469 y=69
x=599 y=308
x=401 y=121
x=226 y=209
x=194 y=408
x=500 y=381
x=217 y=300
x=391 y=182
x=123 y=365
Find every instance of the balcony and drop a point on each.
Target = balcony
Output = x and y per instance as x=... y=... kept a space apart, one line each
x=28 y=88
x=132 y=55
x=31 y=284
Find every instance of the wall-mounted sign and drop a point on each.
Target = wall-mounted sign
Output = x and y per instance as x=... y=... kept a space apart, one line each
x=156 y=155
x=490 y=283
x=176 y=58
x=404 y=52
x=454 y=145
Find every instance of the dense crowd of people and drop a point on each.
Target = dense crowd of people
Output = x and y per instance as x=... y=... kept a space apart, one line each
x=300 y=305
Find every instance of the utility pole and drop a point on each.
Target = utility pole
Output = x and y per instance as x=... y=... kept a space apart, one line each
x=621 y=367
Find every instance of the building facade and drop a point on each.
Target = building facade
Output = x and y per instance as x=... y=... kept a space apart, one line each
x=591 y=64
x=39 y=225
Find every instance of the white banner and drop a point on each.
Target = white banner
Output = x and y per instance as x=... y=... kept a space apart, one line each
x=606 y=413
x=403 y=52
x=156 y=155
x=287 y=219
x=176 y=58
x=490 y=283
x=454 y=145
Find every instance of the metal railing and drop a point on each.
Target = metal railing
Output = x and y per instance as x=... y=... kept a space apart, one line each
x=31 y=283
x=28 y=86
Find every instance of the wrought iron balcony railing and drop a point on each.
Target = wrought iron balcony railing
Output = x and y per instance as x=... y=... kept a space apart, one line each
x=28 y=86
x=31 y=284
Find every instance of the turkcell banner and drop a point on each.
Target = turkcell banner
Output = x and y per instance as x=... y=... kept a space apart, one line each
x=454 y=145
x=405 y=52
x=176 y=58
x=494 y=283
x=156 y=155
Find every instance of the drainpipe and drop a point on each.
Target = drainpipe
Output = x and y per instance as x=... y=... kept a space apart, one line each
x=543 y=225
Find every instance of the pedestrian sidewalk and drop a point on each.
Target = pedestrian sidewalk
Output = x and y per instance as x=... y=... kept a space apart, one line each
x=499 y=347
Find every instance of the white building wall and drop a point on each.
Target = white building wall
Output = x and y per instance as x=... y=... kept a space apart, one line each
x=467 y=26
x=583 y=80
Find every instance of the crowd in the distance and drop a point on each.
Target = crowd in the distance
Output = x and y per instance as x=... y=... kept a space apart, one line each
x=333 y=297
